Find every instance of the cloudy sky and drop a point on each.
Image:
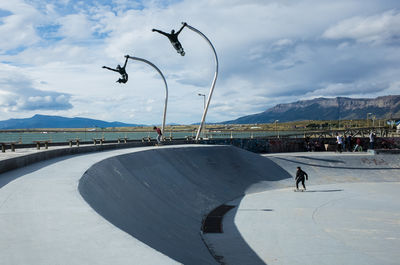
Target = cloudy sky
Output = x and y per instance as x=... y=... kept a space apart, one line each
x=269 y=51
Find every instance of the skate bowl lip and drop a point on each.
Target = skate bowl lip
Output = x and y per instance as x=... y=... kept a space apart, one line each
x=223 y=180
x=36 y=172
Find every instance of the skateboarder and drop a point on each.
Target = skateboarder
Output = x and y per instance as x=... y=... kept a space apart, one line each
x=173 y=38
x=120 y=70
x=300 y=174
x=159 y=134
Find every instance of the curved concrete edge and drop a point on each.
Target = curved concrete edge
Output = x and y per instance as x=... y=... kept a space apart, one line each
x=326 y=168
x=161 y=196
x=45 y=221
x=42 y=155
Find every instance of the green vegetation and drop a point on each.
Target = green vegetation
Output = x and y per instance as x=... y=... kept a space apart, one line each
x=301 y=125
x=311 y=125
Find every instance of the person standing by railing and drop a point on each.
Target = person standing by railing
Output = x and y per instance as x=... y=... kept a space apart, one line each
x=159 y=134
x=339 y=142
x=372 y=137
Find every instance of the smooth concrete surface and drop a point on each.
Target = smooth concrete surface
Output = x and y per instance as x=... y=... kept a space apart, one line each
x=145 y=206
x=44 y=220
x=161 y=196
x=328 y=225
x=328 y=167
x=349 y=214
x=153 y=201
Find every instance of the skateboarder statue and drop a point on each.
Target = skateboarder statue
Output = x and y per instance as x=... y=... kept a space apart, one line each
x=173 y=38
x=301 y=176
x=121 y=70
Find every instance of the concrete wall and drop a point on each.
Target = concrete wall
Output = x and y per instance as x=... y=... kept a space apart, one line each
x=283 y=145
x=257 y=145
x=40 y=155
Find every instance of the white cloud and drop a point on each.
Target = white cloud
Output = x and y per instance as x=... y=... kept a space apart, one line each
x=393 y=89
x=75 y=27
x=376 y=29
x=18 y=94
x=350 y=89
x=269 y=52
x=282 y=43
x=18 y=28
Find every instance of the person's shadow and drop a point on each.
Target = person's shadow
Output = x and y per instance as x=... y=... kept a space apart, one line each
x=324 y=190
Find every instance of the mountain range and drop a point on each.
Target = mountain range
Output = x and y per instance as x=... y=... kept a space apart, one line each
x=327 y=109
x=45 y=121
x=315 y=109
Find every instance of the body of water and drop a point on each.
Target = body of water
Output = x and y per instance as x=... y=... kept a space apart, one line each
x=59 y=137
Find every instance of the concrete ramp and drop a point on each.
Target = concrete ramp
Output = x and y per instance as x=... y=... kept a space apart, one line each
x=329 y=168
x=160 y=196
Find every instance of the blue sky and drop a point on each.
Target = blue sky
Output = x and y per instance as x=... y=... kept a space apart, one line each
x=270 y=52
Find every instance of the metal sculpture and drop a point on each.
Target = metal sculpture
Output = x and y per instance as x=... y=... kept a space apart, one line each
x=173 y=38
x=165 y=82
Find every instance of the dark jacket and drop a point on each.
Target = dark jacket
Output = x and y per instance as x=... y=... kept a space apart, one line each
x=300 y=174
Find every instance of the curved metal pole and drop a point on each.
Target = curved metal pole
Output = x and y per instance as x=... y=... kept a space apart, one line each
x=166 y=87
x=213 y=82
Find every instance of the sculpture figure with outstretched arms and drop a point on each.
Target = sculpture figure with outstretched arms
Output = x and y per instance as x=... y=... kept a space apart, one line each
x=173 y=38
x=121 y=71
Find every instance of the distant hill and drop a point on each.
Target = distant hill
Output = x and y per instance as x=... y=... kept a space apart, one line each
x=327 y=109
x=44 y=121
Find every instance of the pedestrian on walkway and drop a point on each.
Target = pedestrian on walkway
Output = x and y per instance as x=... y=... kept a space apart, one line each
x=159 y=134
x=372 y=137
x=301 y=176
x=339 y=142
x=358 y=147
x=349 y=143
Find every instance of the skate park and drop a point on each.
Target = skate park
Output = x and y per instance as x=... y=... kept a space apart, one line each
x=117 y=149
x=147 y=205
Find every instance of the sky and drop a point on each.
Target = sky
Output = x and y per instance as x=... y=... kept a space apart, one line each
x=269 y=52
